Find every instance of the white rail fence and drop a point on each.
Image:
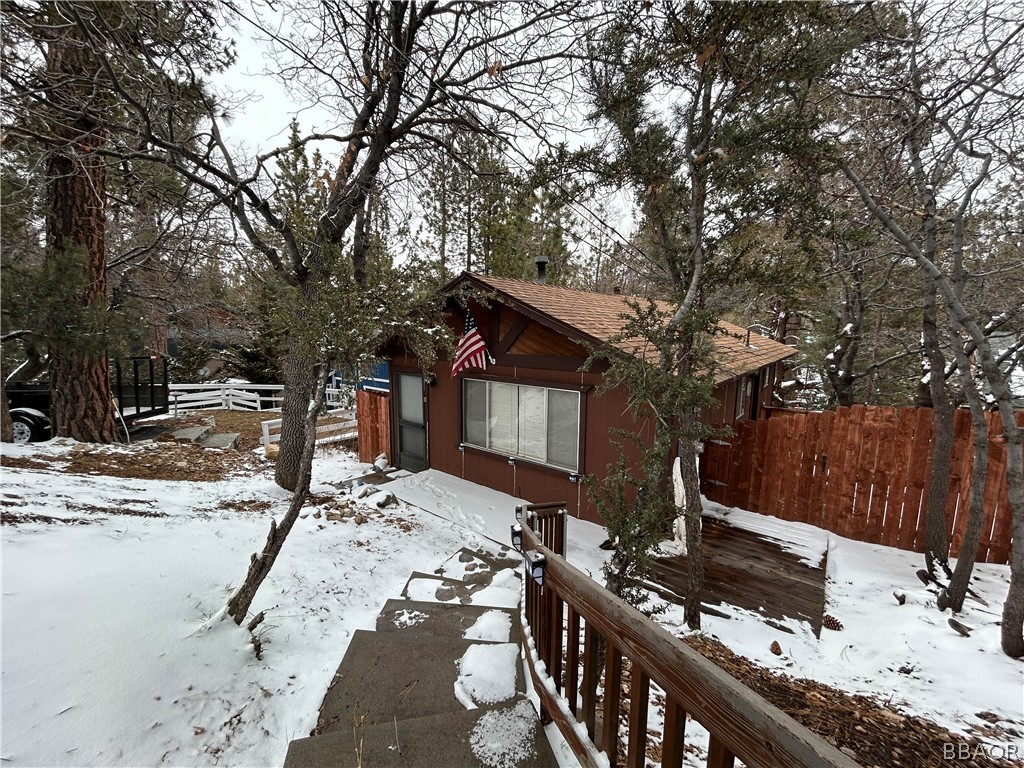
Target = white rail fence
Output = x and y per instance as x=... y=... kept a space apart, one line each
x=345 y=429
x=243 y=397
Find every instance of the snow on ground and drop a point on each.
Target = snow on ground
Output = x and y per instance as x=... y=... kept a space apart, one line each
x=110 y=657
x=107 y=655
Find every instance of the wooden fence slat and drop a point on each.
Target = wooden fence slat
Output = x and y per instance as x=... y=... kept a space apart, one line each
x=999 y=546
x=995 y=487
x=805 y=510
x=837 y=456
x=851 y=466
x=918 y=464
x=881 y=481
x=742 y=454
x=961 y=461
x=866 y=465
x=757 y=469
x=817 y=487
x=795 y=449
x=903 y=443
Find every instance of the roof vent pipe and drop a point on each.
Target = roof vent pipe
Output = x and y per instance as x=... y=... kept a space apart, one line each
x=542 y=269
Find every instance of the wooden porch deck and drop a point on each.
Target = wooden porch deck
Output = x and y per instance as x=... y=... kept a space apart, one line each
x=744 y=569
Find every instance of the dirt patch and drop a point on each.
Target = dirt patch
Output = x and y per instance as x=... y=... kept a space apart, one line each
x=245 y=505
x=22 y=462
x=120 y=511
x=872 y=734
x=161 y=461
x=8 y=517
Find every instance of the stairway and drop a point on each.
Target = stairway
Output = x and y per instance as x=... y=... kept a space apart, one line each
x=438 y=683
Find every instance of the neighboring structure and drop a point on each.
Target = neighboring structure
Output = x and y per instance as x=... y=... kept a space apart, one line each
x=532 y=424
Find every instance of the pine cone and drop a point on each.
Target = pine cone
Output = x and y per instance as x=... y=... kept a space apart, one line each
x=776 y=648
x=831 y=622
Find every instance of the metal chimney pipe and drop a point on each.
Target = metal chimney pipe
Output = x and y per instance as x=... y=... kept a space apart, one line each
x=542 y=269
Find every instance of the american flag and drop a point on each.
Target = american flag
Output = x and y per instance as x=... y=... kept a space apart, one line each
x=472 y=351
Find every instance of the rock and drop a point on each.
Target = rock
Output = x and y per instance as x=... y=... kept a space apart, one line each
x=362 y=491
x=776 y=648
x=360 y=519
x=900 y=597
x=381 y=462
x=271 y=451
x=384 y=499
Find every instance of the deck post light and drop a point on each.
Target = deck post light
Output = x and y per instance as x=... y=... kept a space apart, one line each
x=519 y=513
x=535 y=566
x=517 y=537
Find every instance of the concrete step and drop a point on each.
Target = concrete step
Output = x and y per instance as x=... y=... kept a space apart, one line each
x=224 y=440
x=429 y=587
x=192 y=434
x=389 y=675
x=507 y=735
x=441 y=619
x=477 y=567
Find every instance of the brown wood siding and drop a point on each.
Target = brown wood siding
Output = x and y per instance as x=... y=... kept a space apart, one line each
x=538 y=340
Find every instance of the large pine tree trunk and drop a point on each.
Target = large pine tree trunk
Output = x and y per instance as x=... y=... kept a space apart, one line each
x=6 y=425
x=80 y=398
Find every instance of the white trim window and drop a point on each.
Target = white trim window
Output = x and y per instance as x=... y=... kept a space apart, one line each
x=535 y=423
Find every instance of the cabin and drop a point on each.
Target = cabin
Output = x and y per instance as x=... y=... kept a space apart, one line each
x=531 y=423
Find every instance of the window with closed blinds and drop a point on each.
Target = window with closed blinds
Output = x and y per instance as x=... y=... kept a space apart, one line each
x=536 y=423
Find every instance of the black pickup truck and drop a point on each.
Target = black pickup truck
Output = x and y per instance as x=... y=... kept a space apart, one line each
x=139 y=386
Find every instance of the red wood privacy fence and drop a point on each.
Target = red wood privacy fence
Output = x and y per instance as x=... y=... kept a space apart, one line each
x=861 y=472
x=374 y=419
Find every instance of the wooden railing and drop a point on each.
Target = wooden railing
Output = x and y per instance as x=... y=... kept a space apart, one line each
x=619 y=640
x=548 y=520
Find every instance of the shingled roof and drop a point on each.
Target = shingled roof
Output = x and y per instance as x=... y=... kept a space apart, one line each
x=597 y=317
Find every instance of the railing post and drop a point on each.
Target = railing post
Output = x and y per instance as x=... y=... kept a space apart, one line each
x=718 y=755
x=639 y=693
x=591 y=673
x=572 y=660
x=673 y=738
x=612 y=694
